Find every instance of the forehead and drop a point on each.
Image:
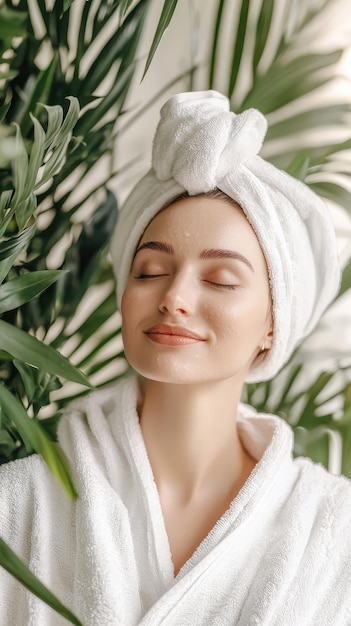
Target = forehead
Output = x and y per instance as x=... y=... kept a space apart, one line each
x=201 y=222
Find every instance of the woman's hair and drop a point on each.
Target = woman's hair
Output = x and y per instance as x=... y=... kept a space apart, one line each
x=214 y=194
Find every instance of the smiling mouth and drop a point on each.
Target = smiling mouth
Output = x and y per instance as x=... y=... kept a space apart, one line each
x=172 y=335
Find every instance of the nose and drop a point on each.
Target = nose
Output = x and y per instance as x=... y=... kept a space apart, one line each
x=178 y=296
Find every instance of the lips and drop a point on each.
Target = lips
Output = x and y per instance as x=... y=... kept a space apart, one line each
x=172 y=335
x=172 y=330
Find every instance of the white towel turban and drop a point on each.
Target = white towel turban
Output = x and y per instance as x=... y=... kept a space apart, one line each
x=199 y=146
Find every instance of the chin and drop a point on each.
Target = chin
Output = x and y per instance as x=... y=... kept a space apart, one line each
x=166 y=375
x=180 y=373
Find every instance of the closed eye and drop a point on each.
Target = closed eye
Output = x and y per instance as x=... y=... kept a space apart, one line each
x=146 y=276
x=221 y=285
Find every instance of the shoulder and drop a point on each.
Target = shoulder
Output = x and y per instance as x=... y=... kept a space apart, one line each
x=30 y=466
x=12 y=474
x=90 y=413
x=29 y=477
x=332 y=492
x=313 y=491
x=25 y=485
x=324 y=507
x=121 y=394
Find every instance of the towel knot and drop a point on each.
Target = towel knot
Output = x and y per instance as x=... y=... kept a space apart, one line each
x=198 y=140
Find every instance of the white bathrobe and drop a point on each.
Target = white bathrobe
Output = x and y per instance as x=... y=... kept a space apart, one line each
x=280 y=555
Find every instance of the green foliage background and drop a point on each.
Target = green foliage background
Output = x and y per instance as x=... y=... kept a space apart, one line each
x=66 y=70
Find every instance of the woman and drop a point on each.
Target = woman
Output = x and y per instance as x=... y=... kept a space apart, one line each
x=192 y=509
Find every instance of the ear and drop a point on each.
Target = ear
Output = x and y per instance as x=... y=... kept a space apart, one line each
x=268 y=338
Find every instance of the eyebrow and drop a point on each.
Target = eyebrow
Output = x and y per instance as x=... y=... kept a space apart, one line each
x=212 y=253
x=155 y=245
x=217 y=253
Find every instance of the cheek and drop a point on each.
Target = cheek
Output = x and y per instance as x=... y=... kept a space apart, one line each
x=219 y=314
x=130 y=294
x=126 y=306
x=139 y=294
x=133 y=301
x=129 y=307
x=237 y=316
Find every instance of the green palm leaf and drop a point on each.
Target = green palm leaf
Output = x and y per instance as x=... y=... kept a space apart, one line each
x=165 y=18
x=22 y=346
x=36 y=439
x=238 y=46
x=10 y=561
x=12 y=246
x=18 y=291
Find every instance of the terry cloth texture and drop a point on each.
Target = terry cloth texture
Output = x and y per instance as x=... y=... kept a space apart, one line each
x=199 y=146
x=279 y=555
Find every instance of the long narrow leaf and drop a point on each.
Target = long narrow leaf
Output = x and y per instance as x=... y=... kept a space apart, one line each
x=14 y=245
x=333 y=192
x=166 y=16
x=67 y=4
x=129 y=58
x=45 y=14
x=35 y=437
x=3 y=111
x=94 y=116
x=262 y=30
x=20 y=167
x=39 y=93
x=12 y=24
x=93 y=323
x=286 y=81
x=82 y=43
x=105 y=340
x=6 y=213
x=123 y=8
x=55 y=162
x=318 y=117
x=105 y=12
x=124 y=75
x=238 y=46
x=346 y=451
x=36 y=156
x=69 y=122
x=307 y=413
x=299 y=166
x=318 y=155
x=20 y=290
x=99 y=365
x=28 y=349
x=316 y=445
x=10 y=561
x=288 y=385
x=5 y=266
x=346 y=280
x=112 y=51
x=29 y=382
x=55 y=118
x=25 y=209
x=214 y=47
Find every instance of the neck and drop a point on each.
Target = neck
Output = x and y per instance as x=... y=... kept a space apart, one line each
x=191 y=436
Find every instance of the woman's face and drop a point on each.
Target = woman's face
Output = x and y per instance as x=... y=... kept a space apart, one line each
x=196 y=304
